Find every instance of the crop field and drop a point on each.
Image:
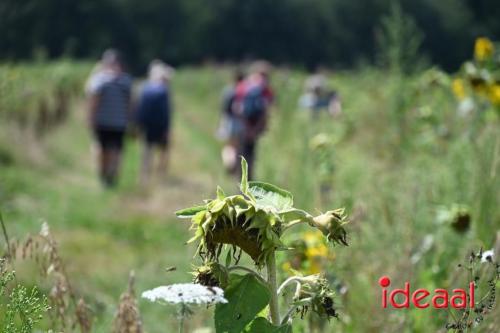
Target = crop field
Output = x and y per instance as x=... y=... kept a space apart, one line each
x=413 y=158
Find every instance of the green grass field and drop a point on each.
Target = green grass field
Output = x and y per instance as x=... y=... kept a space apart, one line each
x=400 y=154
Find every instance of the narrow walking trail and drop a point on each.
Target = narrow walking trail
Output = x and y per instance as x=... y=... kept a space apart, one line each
x=103 y=234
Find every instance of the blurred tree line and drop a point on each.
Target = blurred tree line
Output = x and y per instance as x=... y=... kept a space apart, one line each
x=339 y=33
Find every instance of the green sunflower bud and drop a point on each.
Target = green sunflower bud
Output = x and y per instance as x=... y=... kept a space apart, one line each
x=331 y=224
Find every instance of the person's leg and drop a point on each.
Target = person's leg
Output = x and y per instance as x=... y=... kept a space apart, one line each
x=230 y=150
x=163 y=150
x=147 y=156
x=103 y=163
x=163 y=160
x=114 y=156
x=103 y=155
x=229 y=156
x=233 y=147
x=114 y=165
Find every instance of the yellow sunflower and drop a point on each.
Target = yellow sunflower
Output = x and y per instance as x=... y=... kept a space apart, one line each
x=494 y=94
x=483 y=49
x=317 y=251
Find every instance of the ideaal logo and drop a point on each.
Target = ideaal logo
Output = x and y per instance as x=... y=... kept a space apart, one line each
x=422 y=298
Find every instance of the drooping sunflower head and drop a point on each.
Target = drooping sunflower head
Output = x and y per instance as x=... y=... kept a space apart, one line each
x=253 y=221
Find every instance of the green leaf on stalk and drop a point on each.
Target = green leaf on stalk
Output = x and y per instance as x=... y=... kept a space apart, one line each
x=294 y=214
x=270 y=196
x=262 y=325
x=246 y=297
x=189 y=212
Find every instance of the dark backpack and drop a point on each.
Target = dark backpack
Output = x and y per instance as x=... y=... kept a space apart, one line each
x=254 y=103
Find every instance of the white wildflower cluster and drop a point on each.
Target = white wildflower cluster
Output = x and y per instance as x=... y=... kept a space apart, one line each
x=186 y=293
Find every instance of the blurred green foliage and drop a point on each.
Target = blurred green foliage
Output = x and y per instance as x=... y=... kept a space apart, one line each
x=37 y=95
x=305 y=32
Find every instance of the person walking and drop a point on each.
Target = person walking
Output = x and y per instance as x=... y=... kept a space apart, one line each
x=109 y=91
x=318 y=97
x=254 y=97
x=231 y=125
x=154 y=118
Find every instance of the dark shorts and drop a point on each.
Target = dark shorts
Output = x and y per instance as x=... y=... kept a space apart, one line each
x=110 y=138
x=157 y=138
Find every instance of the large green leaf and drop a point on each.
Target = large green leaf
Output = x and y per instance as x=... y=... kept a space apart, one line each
x=270 y=196
x=262 y=325
x=246 y=297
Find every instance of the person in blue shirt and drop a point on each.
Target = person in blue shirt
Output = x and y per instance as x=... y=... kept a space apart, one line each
x=154 y=118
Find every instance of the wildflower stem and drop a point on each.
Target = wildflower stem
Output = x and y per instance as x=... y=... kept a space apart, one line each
x=469 y=309
x=7 y=240
x=5 y=235
x=271 y=280
x=182 y=315
x=181 y=325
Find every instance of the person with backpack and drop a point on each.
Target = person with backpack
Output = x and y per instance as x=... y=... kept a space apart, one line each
x=109 y=90
x=254 y=96
x=231 y=126
x=154 y=117
x=318 y=97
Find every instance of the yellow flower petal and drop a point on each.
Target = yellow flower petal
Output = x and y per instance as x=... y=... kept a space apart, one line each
x=458 y=88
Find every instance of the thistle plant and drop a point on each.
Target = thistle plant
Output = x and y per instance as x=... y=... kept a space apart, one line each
x=484 y=270
x=457 y=216
x=254 y=222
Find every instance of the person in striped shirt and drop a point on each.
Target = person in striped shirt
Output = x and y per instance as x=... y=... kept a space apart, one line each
x=109 y=89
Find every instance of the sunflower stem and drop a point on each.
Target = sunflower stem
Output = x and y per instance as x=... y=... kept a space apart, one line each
x=273 y=288
x=182 y=316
